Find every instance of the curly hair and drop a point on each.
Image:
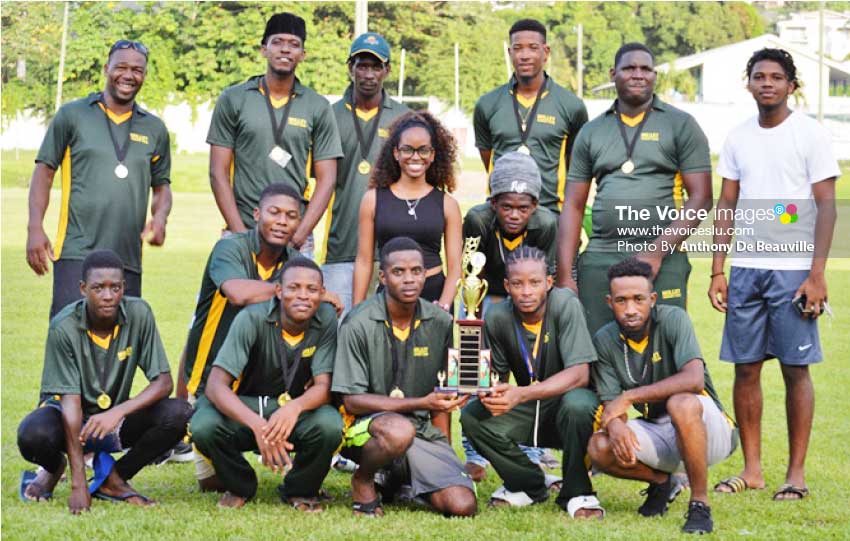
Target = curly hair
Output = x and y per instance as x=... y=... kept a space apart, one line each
x=780 y=56
x=441 y=173
x=630 y=267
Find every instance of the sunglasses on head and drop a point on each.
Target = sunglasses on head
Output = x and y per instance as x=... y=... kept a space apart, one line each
x=129 y=44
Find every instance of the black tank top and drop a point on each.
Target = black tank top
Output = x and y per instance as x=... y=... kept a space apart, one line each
x=394 y=219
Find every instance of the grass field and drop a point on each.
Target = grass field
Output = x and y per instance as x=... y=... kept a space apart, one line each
x=172 y=275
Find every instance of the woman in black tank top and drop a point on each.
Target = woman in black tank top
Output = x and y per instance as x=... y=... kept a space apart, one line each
x=408 y=197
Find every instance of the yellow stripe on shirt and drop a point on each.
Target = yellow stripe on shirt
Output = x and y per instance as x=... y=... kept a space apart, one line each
x=219 y=302
x=562 y=173
x=65 y=204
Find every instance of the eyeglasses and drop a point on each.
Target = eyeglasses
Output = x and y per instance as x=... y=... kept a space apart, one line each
x=407 y=152
x=128 y=44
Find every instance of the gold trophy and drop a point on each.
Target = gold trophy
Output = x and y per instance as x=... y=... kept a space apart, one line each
x=468 y=369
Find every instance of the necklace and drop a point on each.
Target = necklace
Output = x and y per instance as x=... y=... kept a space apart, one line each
x=411 y=207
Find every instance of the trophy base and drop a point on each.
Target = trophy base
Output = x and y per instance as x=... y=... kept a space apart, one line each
x=463 y=390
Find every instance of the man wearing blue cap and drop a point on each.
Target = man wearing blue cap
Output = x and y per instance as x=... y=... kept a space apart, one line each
x=272 y=128
x=365 y=113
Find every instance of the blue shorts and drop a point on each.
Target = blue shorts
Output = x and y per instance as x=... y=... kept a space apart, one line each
x=761 y=323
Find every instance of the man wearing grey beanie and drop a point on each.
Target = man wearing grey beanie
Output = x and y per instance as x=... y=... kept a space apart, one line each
x=510 y=219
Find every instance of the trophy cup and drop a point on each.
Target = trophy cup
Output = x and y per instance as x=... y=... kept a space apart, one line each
x=468 y=369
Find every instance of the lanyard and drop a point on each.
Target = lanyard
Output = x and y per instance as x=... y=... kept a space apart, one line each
x=532 y=364
x=287 y=367
x=101 y=370
x=120 y=151
x=501 y=249
x=277 y=129
x=630 y=146
x=399 y=371
x=646 y=363
x=524 y=129
x=365 y=145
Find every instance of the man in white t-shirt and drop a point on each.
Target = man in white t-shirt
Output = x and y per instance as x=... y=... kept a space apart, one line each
x=779 y=190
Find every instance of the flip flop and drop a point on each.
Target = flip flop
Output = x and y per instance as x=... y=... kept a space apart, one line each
x=503 y=497
x=588 y=502
x=788 y=488
x=735 y=484
x=121 y=497
x=368 y=509
x=27 y=478
x=553 y=482
x=306 y=505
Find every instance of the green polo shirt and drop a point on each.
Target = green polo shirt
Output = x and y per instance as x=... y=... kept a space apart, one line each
x=558 y=119
x=73 y=363
x=364 y=358
x=251 y=351
x=674 y=344
x=541 y=232
x=670 y=144
x=344 y=209
x=98 y=210
x=233 y=257
x=565 y=343
x=241 y=122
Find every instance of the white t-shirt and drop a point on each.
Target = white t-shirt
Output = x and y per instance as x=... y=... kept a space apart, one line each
x=775 y=169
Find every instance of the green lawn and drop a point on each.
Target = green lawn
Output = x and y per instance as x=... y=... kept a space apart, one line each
x=172 y=276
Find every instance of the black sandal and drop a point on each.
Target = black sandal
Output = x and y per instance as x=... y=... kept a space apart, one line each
x=367 y=509
x=787 y=488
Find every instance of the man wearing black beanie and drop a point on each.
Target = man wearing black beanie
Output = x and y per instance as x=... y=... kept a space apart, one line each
x=272 y=128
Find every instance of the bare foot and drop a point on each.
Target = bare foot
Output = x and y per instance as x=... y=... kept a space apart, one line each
x=232 y=501
x=476 y=473
x=44 y=483
x=118 y=488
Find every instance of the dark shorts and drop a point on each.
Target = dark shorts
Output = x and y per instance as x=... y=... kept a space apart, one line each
x=761 y=323
x=671 y=284
x=66 y=283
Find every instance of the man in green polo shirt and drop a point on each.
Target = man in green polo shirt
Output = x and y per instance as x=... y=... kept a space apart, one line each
x=540 y=337
x=365 y=114
x=391 y=347
x=530 y=114
x=272 y=128
x=269 y=390
x=644 y=155
x=112 y=154
x=649 y=358
x=93 y=349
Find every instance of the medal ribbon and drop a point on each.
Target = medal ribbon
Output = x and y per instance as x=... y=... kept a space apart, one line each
x=120 y=151
x=289 y=369
x=399 y=371
x=277 y=129
x=646 y=363
x=365 y=145
x=523 y=133
x=532 y=364
x=110 y=353
x=630 y=146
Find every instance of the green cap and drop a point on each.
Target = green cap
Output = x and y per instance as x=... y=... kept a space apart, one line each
x=373 y=44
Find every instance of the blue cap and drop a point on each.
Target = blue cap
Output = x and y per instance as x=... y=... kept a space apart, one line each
x=371 y=43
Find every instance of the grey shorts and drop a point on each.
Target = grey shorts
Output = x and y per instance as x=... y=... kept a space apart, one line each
x=433 y=465
x=657 y=438
x=762 y=323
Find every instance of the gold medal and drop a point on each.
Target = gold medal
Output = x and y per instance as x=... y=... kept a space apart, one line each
x=283 y=399
x=524 y=150
x=396 y=393
x=363 y=167
x=121 y=171
x=627 y=167
x=103 y=401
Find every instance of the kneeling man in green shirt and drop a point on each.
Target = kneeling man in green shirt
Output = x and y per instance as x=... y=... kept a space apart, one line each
x=649 y=358
x=391 y=347
x=540 y=336
x=93 y=348
x=269 y=391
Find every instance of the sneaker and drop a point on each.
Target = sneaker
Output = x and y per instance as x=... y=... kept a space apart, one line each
x=658 y=496
x=698 y=519
x=182 y=452
x=342 y=464
x=548 y=461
